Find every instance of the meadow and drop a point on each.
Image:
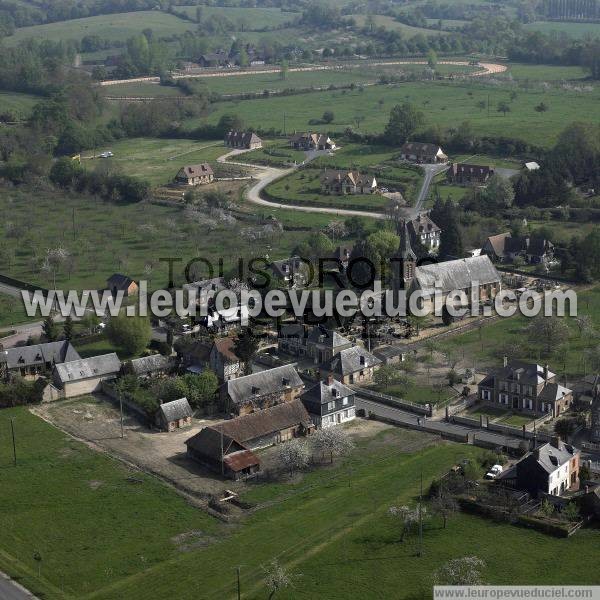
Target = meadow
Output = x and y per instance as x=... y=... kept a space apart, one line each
x=12 y=311
x=443 y=103
x=576 y=30
x=246 y=18
x=390 y=23
x=18 y=104
x=546 y=72
x=115 y=27
x=107 y=532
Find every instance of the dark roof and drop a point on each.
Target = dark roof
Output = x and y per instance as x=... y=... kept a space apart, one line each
x=284 y=267
x=264 y=422
x=422 y=224
x=354 y=177
x=151 y=364
x=39 y=354
x=472 y=170
x=456 y=274
x=214 y=284
x=199 y=170
x=498 y=243
x=87 y=368
x=241 y=137
x=121 y=282
x=352 y=360
x=175 y=410
x=325 y=392
x=225 y=347
x=504 y=243
x=210 y=442
x=264 y=383
x=550 y=458
x=524 y=372
x=327 y=337
x=420 y=148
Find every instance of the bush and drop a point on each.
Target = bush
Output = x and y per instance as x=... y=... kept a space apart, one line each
x=20 y=392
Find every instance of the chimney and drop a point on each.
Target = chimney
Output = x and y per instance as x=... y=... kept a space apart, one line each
x=555 y=441
x=505 y=361
x=546 y=371
x=330 y=379
x=362 y=360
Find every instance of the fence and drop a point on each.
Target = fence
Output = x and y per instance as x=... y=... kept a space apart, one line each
x=112 y=393
x=394 y=402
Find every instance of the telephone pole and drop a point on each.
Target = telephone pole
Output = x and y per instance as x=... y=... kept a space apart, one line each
x=121 y=411
x=420 y=551
x=12 y=428
x=239 y=589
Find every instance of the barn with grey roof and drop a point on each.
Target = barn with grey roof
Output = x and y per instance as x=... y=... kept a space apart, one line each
x=174 y=415
x=29 y=361
x=84 y=376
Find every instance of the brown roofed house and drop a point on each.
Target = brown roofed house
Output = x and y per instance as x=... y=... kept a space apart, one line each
x=422 y=153
x=200 y=174
x=246 y=140
x=312 y=141
x=347 y=182
x=223 y=360
x=465 y=173
x=503 y=247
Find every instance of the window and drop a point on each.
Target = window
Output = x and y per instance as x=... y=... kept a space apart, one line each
x=345 y=414
x=504 y=386
x=345 y=401
x=485 y=394
x=331 y=406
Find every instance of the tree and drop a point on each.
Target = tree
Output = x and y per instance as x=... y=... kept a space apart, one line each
x=481 y=105
x=404 y=120
x=50 y=329
x=499 y=192
x=549 y=332
x=409 y=517
x=245 y=348
x=65 y=172
x=336 y=229
x=333 y=441
x=432 y=59
x=503 y=107
x=201 y=388
x=460 y=571
x=293 y=455
x=131 y=334
x=328 y=117
x=571 y=511
x=68 y=328
x=283 y=72
x=276 y=578
x=444 y=506
x=541 y=107
x=585 y=324
x=386 y=375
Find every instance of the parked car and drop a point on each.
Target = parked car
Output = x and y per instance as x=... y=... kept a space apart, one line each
x=494 y=472
x=106 y=154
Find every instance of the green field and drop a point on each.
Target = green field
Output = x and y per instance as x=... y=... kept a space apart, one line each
x=245 y=18
x=145 y=89
x=393 y=25
x=546 y=72
x=12 y=311
x=19 y=104
x=156 y=160
x=116 y=27
x=106 y=532
x=577 y=30
x=444 y=104
x=109 y=238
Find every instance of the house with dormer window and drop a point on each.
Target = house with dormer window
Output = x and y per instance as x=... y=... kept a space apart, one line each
x=329 y=403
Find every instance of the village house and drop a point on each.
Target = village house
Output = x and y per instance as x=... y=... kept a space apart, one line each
x=261 y=390
x=553 y=468
x=418 y=152
x=155 y=365
x=121 y=283
x=533 y=249
x=317 y=342
x=347 y=182
x=352 y=365
x=463 y=173
x=194 y=356
x=525 y=387
x=586 y=393
x=223 y=361
x=312 y=141
x=329 y=403
x=246 y=140
x=32 y=361
x=174 y=415
x=425 y=231
x=84 y=376
x=200 y=174
x=215 y=59
x=291 y=271
x=228 y=447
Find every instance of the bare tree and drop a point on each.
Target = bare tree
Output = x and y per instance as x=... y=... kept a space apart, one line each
x=335 y=229
x=444 y=506
x=276 y=578
x=585 y=325
x=293 y=455
x=409 y=517
x=333 y=441
x=460 y=571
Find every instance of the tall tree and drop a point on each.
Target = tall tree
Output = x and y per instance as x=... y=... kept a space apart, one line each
x=245 y=348
x=50 y=329
x=404 y=120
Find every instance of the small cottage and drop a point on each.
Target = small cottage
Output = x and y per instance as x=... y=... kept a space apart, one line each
x=195 y=175
x=174 y=415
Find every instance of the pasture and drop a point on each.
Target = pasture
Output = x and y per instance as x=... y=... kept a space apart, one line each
x=17 y=104
x=246 y=18
x=12 y=311
x=443 y=103
x=576 y=30
x=115 y=27
x=105 y=531
x=390 y=23
x=546 y=72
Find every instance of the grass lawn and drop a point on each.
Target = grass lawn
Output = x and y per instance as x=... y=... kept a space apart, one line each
x=484 y=348
x=156 y=160
x=444 y=104
x=19 y=104
x=97 y=347
x=484 y=159
x=145 y=89
x=12 y=311
x=303 y=187
x=391 y=24
x=545 y=72
x=415 y=392
x=564 y=230
x=578 y=30
x=250 y=18
x=92 y=520
x=274 y=153
x=108 y=239
x=515 y=420
x=115 y=27
x=102 y=535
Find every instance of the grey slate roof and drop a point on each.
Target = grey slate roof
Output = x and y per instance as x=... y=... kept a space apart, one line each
x=39 y=354
x=264 y=383
x=349 y=361
x=87 y=368
x=420 y=148
x=175 y=410
x=456 y=274
x=327 y=337
x=121 y=282
x=323 y=392
x=524 y=372
x=151 y=364
x=551 y=458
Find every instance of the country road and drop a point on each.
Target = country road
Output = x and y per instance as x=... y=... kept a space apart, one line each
x=10 y=590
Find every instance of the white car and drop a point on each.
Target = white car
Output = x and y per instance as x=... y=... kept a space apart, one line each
x=106 y=154
x=494 y=472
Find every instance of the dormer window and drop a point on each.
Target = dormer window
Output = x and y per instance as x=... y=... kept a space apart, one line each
x=285 y=381
x=255 y=389
x=363 y=360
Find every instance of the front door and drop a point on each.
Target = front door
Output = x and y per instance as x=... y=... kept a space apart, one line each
x=515 y=402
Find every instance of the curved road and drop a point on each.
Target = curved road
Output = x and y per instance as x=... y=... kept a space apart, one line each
x=11 y=590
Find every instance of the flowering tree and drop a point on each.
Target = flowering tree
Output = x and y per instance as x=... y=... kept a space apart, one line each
x=460 y=571
x=293 y=455
x=409 y=517
x=276 y=578
x=333 y=441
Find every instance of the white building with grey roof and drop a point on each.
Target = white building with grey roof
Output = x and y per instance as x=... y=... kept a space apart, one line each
x=84 y=376
x=30 y=361
x=329 y=403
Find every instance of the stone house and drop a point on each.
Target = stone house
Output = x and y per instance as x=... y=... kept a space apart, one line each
x=463 y=173
x=329 y=403
x=352 y=365
x=503 y=247
x=245 y=140
x=318 y=342
x=223 y=360
x=32 y=361
x=121 y=283
x=200 y=174
x=419 y=152
x=312 y=141
x=347 y=182
x=424 y=230
x=527 y=388
x=174 y=415
x=155 y=365
x=85 y=376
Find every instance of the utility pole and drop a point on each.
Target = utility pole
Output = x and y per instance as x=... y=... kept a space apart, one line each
x=12 y=428
x=488 y=105
x=239 y=589
x=284 y=123
x=121 y=411
x=420 y=552
x=73 y=222
x=222 y=461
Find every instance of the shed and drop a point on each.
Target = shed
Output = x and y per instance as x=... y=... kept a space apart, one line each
x=174 y=415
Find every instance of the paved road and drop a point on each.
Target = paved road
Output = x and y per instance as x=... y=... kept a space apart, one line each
x=430 y=172
x=9 y=590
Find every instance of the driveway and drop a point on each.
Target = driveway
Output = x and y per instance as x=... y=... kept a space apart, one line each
x=430 y=172
x=10 y=590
